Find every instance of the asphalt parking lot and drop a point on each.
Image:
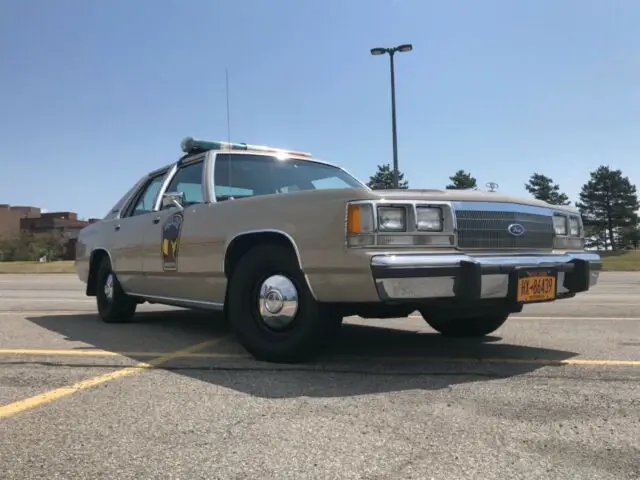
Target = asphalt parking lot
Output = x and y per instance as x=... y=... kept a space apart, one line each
x=555 y=393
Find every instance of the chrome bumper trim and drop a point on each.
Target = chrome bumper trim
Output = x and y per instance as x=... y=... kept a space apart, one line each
x=407 y=277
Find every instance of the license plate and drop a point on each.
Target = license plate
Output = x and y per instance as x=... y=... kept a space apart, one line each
x=536 y=287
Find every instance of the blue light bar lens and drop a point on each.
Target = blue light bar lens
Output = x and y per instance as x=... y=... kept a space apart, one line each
x=189 y=145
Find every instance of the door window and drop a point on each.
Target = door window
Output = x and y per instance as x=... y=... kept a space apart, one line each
x=188 y=180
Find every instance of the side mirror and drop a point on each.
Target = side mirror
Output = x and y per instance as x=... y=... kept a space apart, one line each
x=173 y=199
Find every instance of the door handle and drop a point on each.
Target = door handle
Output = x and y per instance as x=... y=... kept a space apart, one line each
x=117 y=227
x=156 y=220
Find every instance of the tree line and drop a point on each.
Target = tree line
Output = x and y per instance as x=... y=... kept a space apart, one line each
x=32 y=246
x=608 y=202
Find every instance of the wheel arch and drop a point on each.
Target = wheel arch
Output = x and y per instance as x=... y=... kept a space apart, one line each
x=96 y=257
x=241 y=243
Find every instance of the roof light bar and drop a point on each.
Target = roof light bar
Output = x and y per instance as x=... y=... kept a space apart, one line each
x=190 y=146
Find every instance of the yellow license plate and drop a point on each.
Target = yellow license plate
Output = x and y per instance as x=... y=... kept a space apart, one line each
x=536 y=288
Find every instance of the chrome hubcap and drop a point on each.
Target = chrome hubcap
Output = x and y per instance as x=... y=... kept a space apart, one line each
x=278 y=302
x=108 y=287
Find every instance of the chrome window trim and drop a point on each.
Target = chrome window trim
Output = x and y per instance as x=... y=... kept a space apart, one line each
x=174 y=170
x=209 y=165
x=169 y=176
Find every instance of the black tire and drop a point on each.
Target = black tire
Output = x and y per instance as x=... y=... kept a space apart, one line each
x=121 y=307
x=314 y=325
x=466 y=327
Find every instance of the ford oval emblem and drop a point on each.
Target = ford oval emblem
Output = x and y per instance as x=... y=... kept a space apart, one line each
x=515 y=229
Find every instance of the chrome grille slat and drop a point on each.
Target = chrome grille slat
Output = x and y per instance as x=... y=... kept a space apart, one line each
x=487 y=230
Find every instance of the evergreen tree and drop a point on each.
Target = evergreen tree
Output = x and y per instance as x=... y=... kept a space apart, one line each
x=543 y=188
x=630 y=236
x=609 y=204
x=461 y=180
x=383 y=179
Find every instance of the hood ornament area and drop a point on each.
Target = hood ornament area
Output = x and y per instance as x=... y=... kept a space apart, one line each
x=515 y=229
x=491 y=186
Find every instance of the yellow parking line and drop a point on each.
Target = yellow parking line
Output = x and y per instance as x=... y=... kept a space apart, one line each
x=47 y=397
x=555 y=317
x=530 y=361
x=343 y=357
x=45 y=352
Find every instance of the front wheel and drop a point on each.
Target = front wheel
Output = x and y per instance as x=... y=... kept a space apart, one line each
x=465 y=327
x=272 y=311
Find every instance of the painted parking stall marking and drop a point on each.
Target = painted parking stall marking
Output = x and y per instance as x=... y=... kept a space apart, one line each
x=48 y=397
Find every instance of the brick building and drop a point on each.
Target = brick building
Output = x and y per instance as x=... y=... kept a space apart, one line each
x=17 y=219
x=10 y=217
x=65 y=223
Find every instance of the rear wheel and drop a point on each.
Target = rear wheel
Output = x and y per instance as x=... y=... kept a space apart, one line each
x=272 y=310
x=114 y=305
x=467 y=326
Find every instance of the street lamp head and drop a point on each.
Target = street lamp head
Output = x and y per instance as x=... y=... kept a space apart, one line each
x=406 y=47
x=378 y=51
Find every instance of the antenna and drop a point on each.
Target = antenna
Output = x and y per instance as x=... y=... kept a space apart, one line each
x=226 y=74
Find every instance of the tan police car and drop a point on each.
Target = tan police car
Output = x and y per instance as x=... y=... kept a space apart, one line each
x=288 y=245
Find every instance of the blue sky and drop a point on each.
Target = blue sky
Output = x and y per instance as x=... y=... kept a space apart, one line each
x=96 y=93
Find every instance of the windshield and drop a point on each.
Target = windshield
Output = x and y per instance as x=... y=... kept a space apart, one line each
x=241 y=176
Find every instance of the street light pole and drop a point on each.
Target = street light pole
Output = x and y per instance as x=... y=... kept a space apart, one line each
x=394 y=131
x=392 y=51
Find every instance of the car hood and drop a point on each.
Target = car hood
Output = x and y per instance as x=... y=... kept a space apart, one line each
x=462 y=195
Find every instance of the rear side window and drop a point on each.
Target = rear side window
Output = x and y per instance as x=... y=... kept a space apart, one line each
x=122 y=203
x=146 y=199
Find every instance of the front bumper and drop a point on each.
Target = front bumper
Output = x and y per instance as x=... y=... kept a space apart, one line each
x=476 y=277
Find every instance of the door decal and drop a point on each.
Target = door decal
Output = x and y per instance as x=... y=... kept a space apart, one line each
x=171 y=230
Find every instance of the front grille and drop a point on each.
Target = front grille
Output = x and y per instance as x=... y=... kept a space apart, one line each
x=489 y=230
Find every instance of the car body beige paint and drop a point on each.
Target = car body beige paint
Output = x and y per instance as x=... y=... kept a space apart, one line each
x=315 y=222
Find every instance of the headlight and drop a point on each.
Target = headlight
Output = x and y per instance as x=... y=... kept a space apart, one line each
x=429 y=219
x=560 y=224
x=392 y=219
x=574 y=227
